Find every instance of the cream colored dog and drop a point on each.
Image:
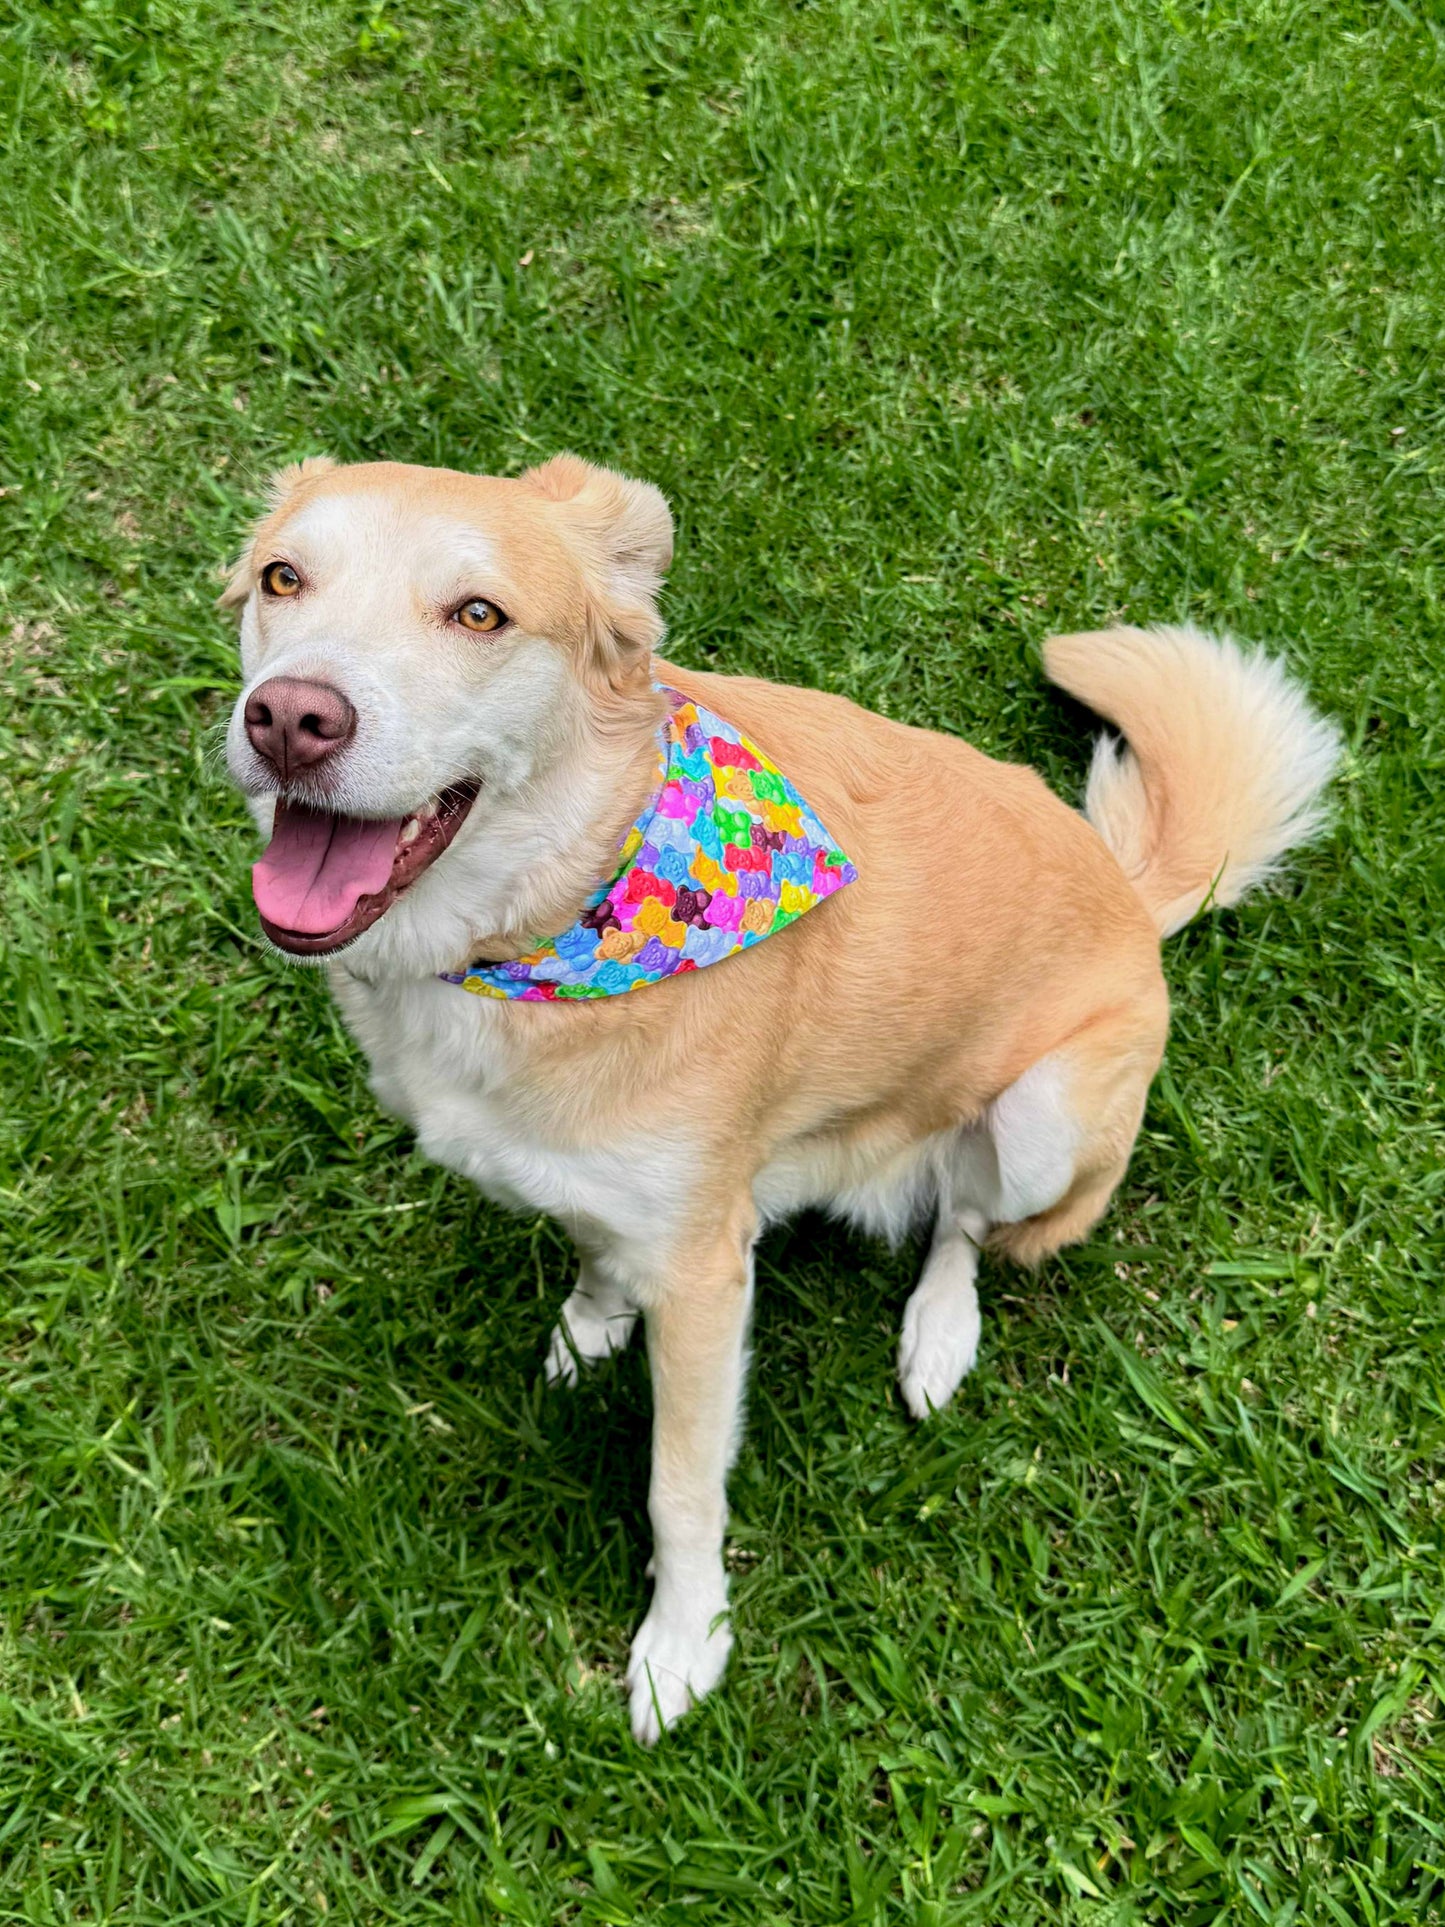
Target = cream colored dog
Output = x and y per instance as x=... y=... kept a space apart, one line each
x=450 y=687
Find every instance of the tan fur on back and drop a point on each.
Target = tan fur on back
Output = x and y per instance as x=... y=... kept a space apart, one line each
x=987 y=925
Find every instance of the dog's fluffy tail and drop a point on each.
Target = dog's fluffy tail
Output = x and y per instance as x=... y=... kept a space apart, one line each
x=1222 y=770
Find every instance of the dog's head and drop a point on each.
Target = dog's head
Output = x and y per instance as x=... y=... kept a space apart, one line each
x=419 y=646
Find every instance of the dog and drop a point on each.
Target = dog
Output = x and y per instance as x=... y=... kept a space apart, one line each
x=849 y=964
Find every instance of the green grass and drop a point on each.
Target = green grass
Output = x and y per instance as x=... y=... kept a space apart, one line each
x=941 y=325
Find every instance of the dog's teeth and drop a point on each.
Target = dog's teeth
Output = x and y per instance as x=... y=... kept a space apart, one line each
x=410 y=830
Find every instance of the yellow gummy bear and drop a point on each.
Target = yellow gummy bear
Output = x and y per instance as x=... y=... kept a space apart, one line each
x=620 y=946
x=653 y=917
x=735 y=785
x=712 y=876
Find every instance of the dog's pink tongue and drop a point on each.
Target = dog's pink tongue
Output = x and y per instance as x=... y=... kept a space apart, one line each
x=317 y=867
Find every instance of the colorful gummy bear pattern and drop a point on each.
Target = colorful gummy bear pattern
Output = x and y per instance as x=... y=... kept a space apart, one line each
x=725 y=854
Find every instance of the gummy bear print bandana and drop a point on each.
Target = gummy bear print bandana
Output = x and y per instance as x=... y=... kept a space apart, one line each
x=726 y=853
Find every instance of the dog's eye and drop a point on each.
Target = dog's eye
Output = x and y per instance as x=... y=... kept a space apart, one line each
x=279 y=578
x=480 y=617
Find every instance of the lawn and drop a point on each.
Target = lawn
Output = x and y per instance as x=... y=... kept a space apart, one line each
x=942 y=325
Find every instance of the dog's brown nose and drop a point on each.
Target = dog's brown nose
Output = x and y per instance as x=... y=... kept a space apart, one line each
x=296 y=724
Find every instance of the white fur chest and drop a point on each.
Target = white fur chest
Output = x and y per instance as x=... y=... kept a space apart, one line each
x=450 y=1065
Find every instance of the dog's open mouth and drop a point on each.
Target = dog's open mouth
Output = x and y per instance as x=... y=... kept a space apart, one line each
x=325 y=878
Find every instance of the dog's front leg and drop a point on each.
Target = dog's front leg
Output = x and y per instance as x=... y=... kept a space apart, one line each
x=697 y=1330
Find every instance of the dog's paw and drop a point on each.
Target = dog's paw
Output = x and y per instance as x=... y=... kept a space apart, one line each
x=562 y=1354
x=676 y=1660
x=939 y=1345
x=586 y=1333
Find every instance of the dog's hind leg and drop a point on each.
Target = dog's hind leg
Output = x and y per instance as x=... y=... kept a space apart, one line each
x=941 y=1320
x=596 y=1321
x=1035 y=1172
x=1066 y=1128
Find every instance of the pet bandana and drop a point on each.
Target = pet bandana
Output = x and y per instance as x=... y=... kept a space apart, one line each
x=724 y=854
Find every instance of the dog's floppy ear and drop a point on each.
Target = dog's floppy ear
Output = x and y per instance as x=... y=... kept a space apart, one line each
x=280 y=487
x=622 y=532
x=624 y=526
